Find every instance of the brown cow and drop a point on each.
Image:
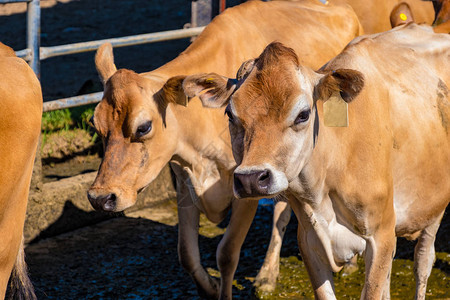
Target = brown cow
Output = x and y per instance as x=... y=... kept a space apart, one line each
x=402 y=14
x=374 y=15
x=145 y=123
x=355 y=187
x=20 y=126
x=442 y=16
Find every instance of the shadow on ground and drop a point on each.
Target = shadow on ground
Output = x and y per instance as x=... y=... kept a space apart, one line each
x=136 y=258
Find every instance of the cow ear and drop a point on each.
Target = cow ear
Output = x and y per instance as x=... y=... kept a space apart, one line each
x=213 y=90
x=173 y=91
x=348 y=83
x=104 y=62
x=245 y=69
x=401 y=14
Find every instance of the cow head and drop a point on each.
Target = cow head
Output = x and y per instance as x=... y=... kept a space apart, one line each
x=139 y=133
x=272 y=115
x=441 y=11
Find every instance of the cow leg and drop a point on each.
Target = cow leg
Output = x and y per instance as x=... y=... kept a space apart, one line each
x=424 y=257
x=319 y=273
x=188 y=250
x=189 y=254
x=242 y=214
x=267 y=277
x=387 y=284
x=350 y=267
x=380 y=250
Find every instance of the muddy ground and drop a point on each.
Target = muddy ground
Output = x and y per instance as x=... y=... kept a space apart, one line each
x=135 y=257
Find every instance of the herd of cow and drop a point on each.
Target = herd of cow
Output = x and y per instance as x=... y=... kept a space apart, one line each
x=350 y=130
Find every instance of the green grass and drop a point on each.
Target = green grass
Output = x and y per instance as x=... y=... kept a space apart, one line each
x=66 y=119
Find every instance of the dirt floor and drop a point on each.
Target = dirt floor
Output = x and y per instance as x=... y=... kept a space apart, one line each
x=135 y=257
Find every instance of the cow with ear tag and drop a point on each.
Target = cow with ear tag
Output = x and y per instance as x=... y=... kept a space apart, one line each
x=146 y=121
x=361 y=146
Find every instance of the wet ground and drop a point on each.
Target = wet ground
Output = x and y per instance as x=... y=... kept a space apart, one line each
x=136 y=258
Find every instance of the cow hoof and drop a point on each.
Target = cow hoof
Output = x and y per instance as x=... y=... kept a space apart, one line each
x=349 y=269
x=212 y=292
x=265 y=284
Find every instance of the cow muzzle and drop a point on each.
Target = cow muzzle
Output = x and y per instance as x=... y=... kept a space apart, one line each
x=102 y=201
x=258 y=182
x=253 y=184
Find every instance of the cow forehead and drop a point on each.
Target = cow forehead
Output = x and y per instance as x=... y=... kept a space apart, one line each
x=270 y=93
x=122 y=89
x=123 y=97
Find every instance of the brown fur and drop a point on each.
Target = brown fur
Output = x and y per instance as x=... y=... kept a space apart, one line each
x=276 y=61
x=401 y=8
x=105 y=54
x=194 y=139
x=20 y=286
x=173 y=90
x=348 y=83
x=245 y=69
x=442 y=16
x=375 y=15
x=374 y=175
x=442 y=11
x=210 y=88
x=20 y=115
x=6 y=51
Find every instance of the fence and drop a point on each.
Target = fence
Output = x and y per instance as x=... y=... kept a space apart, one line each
x=34 y=53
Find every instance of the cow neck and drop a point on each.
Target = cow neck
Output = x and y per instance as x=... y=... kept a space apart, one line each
x=199 y=134
x=203 y=56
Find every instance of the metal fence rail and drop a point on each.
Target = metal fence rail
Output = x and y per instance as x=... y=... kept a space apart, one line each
x=47 y=52
x=35 y=53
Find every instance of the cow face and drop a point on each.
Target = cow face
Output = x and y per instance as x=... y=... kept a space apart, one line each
x=139 y=134
x=272 y=115
x=441 y=11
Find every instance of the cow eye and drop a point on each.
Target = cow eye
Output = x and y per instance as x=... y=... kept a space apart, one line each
x=302 y=117
x=229 y=114
x=143 y=129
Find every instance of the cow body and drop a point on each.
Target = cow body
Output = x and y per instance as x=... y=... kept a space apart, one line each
x=20 y=125
x=357 y=187
x=374 y=15
x=145 y=122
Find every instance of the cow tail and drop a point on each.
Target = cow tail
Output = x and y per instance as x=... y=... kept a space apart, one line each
x=20 y=286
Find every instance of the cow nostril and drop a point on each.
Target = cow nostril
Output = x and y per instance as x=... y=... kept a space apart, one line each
x=109 y=203
x=264 y=178
x=105 y=202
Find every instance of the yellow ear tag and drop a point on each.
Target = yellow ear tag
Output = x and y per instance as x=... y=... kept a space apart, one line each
x=403 y=17
x=335 y=111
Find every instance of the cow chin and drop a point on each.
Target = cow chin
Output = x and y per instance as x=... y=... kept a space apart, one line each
x=257 y=182
x=111 y=200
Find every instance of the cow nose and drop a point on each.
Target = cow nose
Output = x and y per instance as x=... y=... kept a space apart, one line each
x=100 y=202
x=252 y=184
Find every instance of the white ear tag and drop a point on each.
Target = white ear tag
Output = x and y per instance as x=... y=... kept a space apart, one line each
x=335 y=111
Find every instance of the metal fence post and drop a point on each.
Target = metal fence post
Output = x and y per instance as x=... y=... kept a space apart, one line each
x=201 y=13
x=33 y=44
x=34 y=34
